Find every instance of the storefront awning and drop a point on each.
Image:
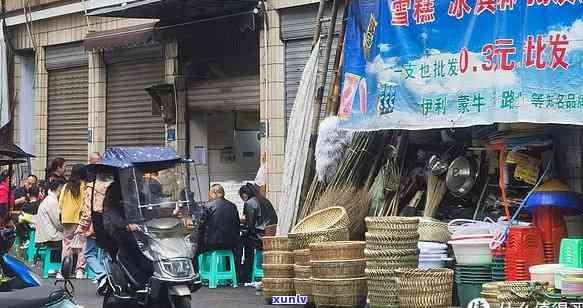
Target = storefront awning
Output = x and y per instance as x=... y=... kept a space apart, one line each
x=170 y=9
x=123 y=37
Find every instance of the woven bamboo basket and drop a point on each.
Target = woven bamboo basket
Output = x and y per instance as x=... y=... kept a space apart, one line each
x=390 y=253
x=392 y=223
x=328 y=218
x=269 y=293
x=383 y=299
x=433 y=231
x=392 y=262
x=425 y=288
x=303 y=272
x=303 y=286
x=275 y=243
x=303 y=240
x=270 y=230
x=346 y=250
x=278 y=283
x=386 y=241
x=302 y=257
x=278 y=257
x=338 y=269
x=278 y=270
x=339 y=292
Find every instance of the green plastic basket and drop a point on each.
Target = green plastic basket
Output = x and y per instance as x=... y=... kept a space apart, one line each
x=466 y=292
x=571 y=252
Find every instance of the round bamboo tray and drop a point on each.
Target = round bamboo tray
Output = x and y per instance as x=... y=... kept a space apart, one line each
x=303 y=286
x=328 y=218
x=346 y=250
x=433 y=231
x=303 y=240
x=302 y=257
x=303 y=272
x=377 y=237
x=390 y=253
x=392 y=263
x=421 y=300
x=338 y=269
x=278 y=283
x=275 y=243
x=278 y=270
x=392 y=223
x=278 y=257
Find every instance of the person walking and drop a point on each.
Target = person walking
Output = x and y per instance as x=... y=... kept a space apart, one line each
x=70 y=204
x=49 y=230
x=93 y=202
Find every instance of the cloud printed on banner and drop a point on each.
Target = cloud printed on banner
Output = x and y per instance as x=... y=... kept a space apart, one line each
x=574 y=33
x=389 y=71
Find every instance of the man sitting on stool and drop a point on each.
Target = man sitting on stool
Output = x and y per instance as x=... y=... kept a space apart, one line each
x=220 y=222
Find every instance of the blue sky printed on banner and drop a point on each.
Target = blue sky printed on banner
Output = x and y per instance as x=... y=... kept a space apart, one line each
x=414 y=67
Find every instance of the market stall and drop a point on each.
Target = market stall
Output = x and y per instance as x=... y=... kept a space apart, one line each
x=455 y=154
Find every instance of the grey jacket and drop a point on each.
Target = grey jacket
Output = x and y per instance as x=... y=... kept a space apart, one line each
x=46 y=220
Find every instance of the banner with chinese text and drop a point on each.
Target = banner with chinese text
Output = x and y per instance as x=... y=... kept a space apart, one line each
x=420 y=64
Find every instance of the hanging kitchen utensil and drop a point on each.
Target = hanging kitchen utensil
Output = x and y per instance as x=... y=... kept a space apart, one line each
x=461 y=175
x=436 y=166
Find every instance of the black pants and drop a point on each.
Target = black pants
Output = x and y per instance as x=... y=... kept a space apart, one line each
x=55 y=253
x=22 y=232
x=245 y=265
x=135 y=262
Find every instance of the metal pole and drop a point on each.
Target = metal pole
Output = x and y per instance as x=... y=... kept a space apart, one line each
x=318 y=23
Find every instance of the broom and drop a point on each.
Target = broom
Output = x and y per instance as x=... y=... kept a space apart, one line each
x=436 y=190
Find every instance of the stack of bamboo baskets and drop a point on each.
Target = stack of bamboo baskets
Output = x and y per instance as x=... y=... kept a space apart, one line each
x=303 y=273
x=338 y=278
x=391 y=244
x=278 y=267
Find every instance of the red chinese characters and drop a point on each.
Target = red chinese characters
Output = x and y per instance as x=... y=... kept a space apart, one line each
x=505 y=48
x=485 y=5
x=458 y=8
x=537 y=49
x=559 y=43
x=400 y=12
x=423 y=11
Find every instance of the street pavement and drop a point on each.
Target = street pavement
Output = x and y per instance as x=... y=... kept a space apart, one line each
x=227 y=297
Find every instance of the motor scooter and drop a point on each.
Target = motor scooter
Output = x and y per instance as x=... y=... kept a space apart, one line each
x=157 y=204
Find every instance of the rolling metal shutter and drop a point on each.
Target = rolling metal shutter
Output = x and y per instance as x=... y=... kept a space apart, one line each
x=129 y=119
x=234 y=93
x=297 y=30
x=68 y=92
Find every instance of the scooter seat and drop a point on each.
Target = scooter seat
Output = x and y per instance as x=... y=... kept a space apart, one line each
x=36 y=297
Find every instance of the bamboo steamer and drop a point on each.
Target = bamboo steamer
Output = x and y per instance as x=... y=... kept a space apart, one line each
x=302 y=257
x=338 y=269
x=278 y=270
x=278 y=257
x=303 y=272
x=275 y=243
x=342 y=250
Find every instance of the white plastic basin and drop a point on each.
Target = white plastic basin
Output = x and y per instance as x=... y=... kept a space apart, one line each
x=472 y=251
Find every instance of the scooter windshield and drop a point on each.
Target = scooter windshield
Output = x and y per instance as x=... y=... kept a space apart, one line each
x=164 y=238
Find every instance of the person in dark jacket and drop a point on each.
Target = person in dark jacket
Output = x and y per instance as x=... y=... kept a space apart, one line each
x=258 y=213
x=223 y=228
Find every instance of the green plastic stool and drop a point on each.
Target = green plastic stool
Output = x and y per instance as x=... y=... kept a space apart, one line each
x=48 y=266
x=31 y=249
x=218 y=271
x=204 y=266
x=257 y=265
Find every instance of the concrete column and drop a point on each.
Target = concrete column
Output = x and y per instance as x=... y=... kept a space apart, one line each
x=41 y=104
x=272 y=105
x=173 y=76
x=97 y=101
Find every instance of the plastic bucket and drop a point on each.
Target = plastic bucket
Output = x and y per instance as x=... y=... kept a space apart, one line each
x=544 y=273
x=467 y=292
x=472 y=252
x=574 y=226
x=565 y=272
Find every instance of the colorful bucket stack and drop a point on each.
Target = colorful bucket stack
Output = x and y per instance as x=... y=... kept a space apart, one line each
x=391 y=244
x=278 y=267
x=549 y=220
x=469 y=280
x=524 y=249
x=498 y=264
x=338 y=274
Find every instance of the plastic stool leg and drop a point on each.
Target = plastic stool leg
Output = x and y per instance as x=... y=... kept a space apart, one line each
x=214 y=271
x=233 y=271
x=46 y=259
